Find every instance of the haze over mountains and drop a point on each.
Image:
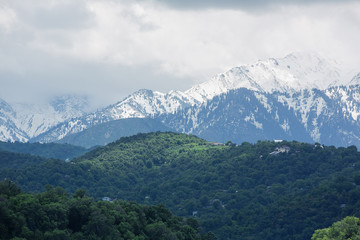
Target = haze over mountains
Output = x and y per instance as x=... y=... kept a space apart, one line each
x=22 y=121
x=302 y=96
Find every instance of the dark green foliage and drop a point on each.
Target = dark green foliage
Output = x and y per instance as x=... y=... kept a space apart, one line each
x=250 y=191
x=17 y=161
x=46 y=150
x=53 y=215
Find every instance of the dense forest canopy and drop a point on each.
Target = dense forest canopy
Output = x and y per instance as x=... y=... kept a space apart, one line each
x=53 y=214
x=268 y=190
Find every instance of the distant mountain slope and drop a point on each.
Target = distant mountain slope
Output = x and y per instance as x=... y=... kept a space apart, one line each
x=141 y=104
x=22 y=121
x=105 y=133
x=36 y=119
x=240 y=115
x=8 y=129
x=328 y=116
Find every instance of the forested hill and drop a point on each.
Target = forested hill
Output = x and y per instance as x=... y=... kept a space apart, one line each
x=47 y=150
x=55 y=215
x=266 y=190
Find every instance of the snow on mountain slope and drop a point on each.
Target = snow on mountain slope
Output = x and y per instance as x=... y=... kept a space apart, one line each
x=8 y=130
x=5 y=108
x=239 y=115
x=37 y=119
x=294 y=72
x=145 y=103
x=327 y=116
x=348 y=98
x=141 y=104
x=20 y=122
x=355 y=80
x=70 y=106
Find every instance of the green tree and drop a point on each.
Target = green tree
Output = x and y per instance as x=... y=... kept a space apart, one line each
x=346 y=229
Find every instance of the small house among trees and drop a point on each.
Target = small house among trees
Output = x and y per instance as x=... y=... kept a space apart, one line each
x=282 y=149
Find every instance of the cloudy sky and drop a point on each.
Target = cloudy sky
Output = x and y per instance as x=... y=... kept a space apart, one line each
x=107 y=49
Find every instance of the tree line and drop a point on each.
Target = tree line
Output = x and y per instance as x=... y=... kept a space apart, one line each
x=54 y=214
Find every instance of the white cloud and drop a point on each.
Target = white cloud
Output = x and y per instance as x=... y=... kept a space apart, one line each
x=7 y=19
x=199 y=43
x=156 y=46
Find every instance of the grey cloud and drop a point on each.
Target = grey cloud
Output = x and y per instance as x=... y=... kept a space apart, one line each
x=68 y=15
x=142 y=24
x=27 y=72
x=46 y=76
x=241 y=4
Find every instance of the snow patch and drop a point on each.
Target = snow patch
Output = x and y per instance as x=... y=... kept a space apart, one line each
x=251 y=119
x=285 y=125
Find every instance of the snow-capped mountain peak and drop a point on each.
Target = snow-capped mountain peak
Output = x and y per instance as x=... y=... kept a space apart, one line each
x=355 y=80
x=294 y=72
x=312 y=70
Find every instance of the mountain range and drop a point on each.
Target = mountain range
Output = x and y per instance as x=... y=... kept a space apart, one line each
x=302 y=96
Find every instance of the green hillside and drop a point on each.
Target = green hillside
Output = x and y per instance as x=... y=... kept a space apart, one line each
x=47 y=150
x=265 y=190
x=17 y=161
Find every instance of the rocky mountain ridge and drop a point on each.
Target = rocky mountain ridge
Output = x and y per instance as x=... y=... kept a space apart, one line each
x=327 y=116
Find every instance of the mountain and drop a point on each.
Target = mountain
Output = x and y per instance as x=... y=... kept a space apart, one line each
x=36 y=119
x=8 y=129
x=295 y=72
x=328 y=116
x=302 y=96
x=141 y=104
x=239 y=115
x=22 y=121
